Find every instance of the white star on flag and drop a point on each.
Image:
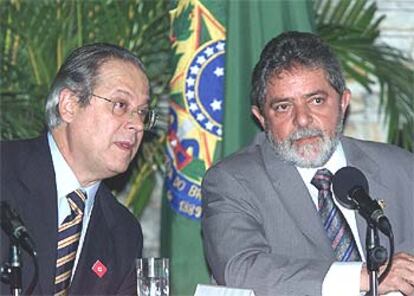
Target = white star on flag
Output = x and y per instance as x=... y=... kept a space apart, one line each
x=209 y=126
x=220 y=46
x=201 y=60
x=194 y=69
x=193 y=107
x=216 y=105
x=219 y=131
x=200 y=117
x=219 y=71
x=190 y=81
x=209 y=51
x=190 y=94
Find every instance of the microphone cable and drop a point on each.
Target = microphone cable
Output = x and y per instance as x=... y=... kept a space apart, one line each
x=389 y=264
x=35 y=278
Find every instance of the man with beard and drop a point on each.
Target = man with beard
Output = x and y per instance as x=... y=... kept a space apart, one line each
x=269 y=220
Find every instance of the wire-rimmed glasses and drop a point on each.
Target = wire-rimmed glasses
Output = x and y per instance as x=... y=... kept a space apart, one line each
x=120 y=107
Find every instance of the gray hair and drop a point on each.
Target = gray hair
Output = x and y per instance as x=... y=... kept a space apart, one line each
x=79 y=73
x=291 y=49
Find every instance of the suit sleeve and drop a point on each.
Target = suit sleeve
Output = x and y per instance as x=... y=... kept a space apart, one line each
x=236 y=247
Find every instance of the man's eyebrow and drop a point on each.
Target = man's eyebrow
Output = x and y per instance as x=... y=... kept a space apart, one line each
x=277 y=99
x=316 y=92
x=121 y=91
x=129 y=95
x=146 y=104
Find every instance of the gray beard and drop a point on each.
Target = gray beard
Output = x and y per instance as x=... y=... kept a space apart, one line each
x=300 y=156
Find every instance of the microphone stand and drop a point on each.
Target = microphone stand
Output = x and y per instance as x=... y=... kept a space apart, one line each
x=376 y=256
x=11 y=272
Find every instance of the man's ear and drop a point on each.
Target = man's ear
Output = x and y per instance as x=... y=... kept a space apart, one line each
x=345 y=99
x=258 y=115
x=68 y=105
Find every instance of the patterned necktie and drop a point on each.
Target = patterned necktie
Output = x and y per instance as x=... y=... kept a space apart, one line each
x=68 y=240
x=335 y=225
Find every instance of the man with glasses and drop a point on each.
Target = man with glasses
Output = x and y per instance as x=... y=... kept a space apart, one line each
x=86 y=242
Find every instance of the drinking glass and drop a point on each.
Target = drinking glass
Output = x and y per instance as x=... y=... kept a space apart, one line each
x=153 y=277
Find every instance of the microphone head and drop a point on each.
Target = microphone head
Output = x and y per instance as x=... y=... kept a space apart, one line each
x=12 y=224
x=346 y=180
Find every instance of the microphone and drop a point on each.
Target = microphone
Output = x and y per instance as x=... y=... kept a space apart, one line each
x=351 y=189
x=15 y=229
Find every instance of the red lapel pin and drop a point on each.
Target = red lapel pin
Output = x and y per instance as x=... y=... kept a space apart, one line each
x=99 y=268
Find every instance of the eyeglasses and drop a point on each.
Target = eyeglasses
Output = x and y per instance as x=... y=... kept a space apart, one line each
x=120 y=107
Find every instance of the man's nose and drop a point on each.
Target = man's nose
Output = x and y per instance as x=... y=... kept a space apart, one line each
x=303 y=116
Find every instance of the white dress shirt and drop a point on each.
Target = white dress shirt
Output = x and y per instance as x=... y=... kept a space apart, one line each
x=66 y=182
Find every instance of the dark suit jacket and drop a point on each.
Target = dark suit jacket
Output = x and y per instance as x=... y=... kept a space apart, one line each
x=113 y=236
x=261 y=229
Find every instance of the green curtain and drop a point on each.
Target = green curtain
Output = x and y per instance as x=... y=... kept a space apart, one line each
x=245 y=26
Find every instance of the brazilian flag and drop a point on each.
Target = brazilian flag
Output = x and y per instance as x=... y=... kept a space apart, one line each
x=216 y=45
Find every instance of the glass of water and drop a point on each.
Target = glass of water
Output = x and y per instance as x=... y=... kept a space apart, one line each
x=153 y=277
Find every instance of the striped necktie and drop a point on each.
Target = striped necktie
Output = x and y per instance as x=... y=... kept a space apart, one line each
x=68 y=241
x=335 y=225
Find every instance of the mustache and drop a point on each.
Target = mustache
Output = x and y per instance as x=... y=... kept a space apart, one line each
x=305 y=133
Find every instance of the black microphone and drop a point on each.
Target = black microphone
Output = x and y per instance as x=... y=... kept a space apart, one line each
x=351 y=189
x=15 y=229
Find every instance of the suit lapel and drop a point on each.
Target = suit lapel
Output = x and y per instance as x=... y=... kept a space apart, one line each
x=38 y=179
x=294 y=194
x=97 y=247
